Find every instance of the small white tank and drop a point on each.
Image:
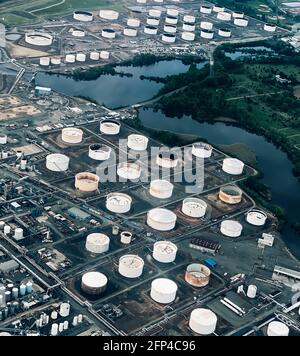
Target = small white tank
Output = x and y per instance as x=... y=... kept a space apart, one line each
x=44 y=61
x=131 y=266
x=64 y=310
x=70 y=58
x=161 y=189
x=95 y=56
x=133 y=22
x=104 y=55
x=276 y=328
x=97 y=243
x=203 y=321
x=165 y=251
x=54 y=330
x=252 y=291
x=163 y=290
x=19 y=234
x=99 y=152
x=137 y=142
x=126 y=237
x=202 y=150
x=7 y=230
x=129 y=171
x=233 y=166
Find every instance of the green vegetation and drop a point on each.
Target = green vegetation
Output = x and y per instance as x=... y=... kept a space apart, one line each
x=247 y=91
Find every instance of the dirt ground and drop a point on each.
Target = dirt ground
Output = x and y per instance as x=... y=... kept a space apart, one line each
x=21 y=111
x=20 y=52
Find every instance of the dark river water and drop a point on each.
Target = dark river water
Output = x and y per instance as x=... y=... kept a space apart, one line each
x=114 y=91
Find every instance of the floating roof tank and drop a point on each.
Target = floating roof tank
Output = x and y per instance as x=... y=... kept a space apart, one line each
x=83 y=16
x=97 y=243
x=256 y=217
x=168 y=38
x=57 y=162
x=205 y=9
x=108 y=33
x=197 y=275
x=40 y=39
x=99 y=152
x=72 y=135
x=206 y=25
x=170 y=28
x=238 y=15
x=152 y=21
x=203 y=321
x=131 y=266
x=189 y=27
x=137 y=142
x=118 y=203
x=188 y=36
x=224 y=16
x=218 y=8
x=155 y=13
x=110 y=127
x=129 y=171
x=161 y=189
x=173 y=20
x=208 y=35
x=94 y=283
x=189 y=19
x=95 y=56
x=126 y=237
x=150 y=30
x=3 y=139
x=44 y=61
x=110 y=15
x=241 y=22
x=78 y=33
x=70 y=58
x=231 y=228
x=130 y=32
x=194 y=207
x=252 y=292
x=231 y=194
x=233 y=166
x=277 y=328
x=161 y=219
x=269 y=27
x=86 y=182
x=202 y=150
x=165 y=251
x=224 y=32
x=167 y=160
x=163 y=290
x=133 y=22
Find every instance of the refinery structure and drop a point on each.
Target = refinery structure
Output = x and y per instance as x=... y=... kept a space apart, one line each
x=137 y=255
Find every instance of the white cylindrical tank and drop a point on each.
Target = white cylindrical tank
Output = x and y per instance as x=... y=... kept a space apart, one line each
x=167 y=160
x=202 y=150
x=172 y=12
x=189 y=27
x=170 y=28
x=54 y=330
x=64 y=310
x=104 y=55
x=150 y=30
x=19 y=234
x=233 y=166
x=72 y=135
x=231 y=194
x=108 y=33
x=256 y=217
x=155 y=13
x=152 y=21
x=194 y=207
x=189 y=19
x=163 y=290
x=238 y=15
x=110 y=15
x=3 y=139
x=99 y=152
x=206 y=25
x=129 y=171
x=56 y=61
x=218 y=8
x=161 y=219
x=133 y=22
x=110 y=127
x=252 y=291
x=168 y=38
x=276 y=328
x=7 y=229
x=173 y=20
x=203 y=321
x=131 y=266
x=205 y=9
x=269 y=27
x=137 y=142
x=165 y=251
x=126 y=237
x=94 y=283
x=80 y=57
x=241 y=22
x=44 y=61
x=95 y=56
x=86 y=182
x=224 y=32
x=118 y=203
x=97 y=243
x=188 y=36
x=23 y=164
x=29 y=287
x=83 y=16
x=70 y=58
x=57 y=162
x=78 y=33
x=231 y=228
x=130 y=32
x=206 y=34
x=224 y=16
x=161 y=189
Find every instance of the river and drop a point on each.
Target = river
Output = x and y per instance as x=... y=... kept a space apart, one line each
x=115 y=91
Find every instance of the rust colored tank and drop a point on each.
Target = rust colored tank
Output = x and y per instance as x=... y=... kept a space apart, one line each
x=197 y=275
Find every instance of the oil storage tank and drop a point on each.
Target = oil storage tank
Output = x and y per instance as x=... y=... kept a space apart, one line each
x=231 y=228
x=167 y=159
x=70 y=58
x=163 y=290
x=150 y=30
x=130 y=32
x=188 y=36
x=110 y=127
x=165 y=251
x=224 y=32
x=57 y=162
x=203 y=321
x=161 y=189
x=137 y=142
x=189 y=27
x=109 y=15
x=44 y=61
x=205 y=9
x=241 y=22
x=72 y=135
x=207 y=34
x=224 y=16
x=190 y=19
x=86 y=182
x=231 y=194
x=256 y=217
x=97 y=243
x=197 y=275
x=83 y=16
x=99 y=152
x=153 y=21
x=168 y=38
x=129 y=171
x=277 y=328
x=131 y=266
x=269 y=27
x=161 y=219
x=202 y=150
x=194 y=207
x=94 y=283
x=38 y=38
x=118 y=203
x=133 y=22
x=233 y=166
x=108 y=33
